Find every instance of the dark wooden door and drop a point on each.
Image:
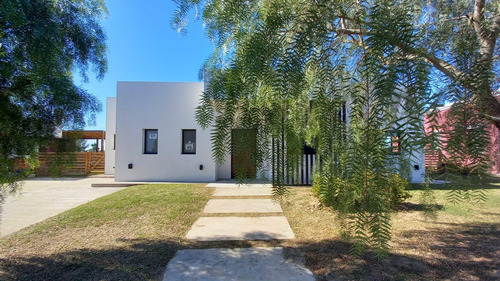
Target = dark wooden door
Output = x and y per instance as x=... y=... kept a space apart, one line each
x=243 y=150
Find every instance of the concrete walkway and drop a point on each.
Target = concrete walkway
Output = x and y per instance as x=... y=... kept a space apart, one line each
x=235 y=264
x=243 y=263
x=41 y=198
x=241 y=227
x=242 y=206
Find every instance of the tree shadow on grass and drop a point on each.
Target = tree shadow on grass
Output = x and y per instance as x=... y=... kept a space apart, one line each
x=136 y=260
x=446 y=251
x=331 y=260
x=410 y=207
x=455 y=252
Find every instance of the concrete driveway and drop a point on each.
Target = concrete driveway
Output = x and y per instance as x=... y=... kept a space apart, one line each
x=42 y=198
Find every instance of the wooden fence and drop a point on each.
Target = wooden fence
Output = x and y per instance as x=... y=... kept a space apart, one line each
x=71 y=163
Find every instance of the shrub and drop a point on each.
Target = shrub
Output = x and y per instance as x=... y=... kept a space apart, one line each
x=331 y=192
x=397 y=186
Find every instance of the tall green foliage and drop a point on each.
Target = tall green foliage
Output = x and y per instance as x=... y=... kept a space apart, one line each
x=465 y=138
x=287 y=68
x=42 y=43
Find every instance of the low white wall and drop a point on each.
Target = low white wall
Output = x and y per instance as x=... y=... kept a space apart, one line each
x=418 y=158
x=224 y=170
x=109 y=167
x=169 y=108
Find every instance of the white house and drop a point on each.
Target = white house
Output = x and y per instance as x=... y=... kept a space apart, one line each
x=155 y=135
x=152 y=135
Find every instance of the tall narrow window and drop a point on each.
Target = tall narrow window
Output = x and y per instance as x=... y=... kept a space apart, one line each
x=188 y=141
x=114 y=141
x=150 y=141
x=392 y=142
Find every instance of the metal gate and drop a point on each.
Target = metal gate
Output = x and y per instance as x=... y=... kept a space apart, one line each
x=300 y=174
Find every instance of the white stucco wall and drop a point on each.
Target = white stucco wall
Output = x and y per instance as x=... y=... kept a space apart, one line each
x=109 y=167
x=418 y=158
x=168 y=107
x=224 y=171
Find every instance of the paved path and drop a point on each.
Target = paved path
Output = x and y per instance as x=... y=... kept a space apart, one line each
x=41 y=198
x=241 y=227
x=234 y=223
x=242 y=206
x=235 y=264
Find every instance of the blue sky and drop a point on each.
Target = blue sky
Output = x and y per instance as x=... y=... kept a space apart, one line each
x=144 y=47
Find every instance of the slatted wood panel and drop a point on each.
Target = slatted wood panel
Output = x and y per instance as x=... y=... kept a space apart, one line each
x=78 y=163
x=95 y=165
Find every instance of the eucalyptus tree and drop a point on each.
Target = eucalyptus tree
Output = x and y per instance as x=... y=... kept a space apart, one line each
x=287 y=68
x=42 y=45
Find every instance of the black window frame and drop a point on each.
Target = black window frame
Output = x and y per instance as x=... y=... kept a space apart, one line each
x=145 y=151
x=183 y=151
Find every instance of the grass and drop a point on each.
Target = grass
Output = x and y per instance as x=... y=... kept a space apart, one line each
x=128 y=235
x=462 y=243
x=133 y=233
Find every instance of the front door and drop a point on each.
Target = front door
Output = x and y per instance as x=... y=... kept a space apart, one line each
x=243 y=150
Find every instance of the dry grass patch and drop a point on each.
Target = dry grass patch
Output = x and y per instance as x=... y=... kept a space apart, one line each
x=461 y=244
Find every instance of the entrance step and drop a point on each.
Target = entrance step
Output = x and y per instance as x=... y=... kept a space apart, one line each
x=242 y=206
x=237 y=185
x=240 y=228
x=242 y=191
x=234 y=264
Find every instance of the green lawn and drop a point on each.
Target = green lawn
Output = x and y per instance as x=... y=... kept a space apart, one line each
x=128 y=235
x=133 y=233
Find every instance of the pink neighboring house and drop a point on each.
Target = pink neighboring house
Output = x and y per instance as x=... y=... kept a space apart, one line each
x=432 y=160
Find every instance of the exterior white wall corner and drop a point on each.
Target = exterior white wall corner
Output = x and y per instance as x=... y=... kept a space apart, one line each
x=169 y=108
x=417 y=162
x=109 y=147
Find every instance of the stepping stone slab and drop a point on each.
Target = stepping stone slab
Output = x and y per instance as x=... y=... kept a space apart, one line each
x=234 y=264
x=240 y=228
x=242 y=191
x=236 y=185
x=242 y=206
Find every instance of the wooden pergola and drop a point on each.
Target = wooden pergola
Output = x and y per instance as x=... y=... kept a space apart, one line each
x=87 y=135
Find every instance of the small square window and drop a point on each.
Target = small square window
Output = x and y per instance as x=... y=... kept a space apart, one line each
x=150 y=141
x=188 y=141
